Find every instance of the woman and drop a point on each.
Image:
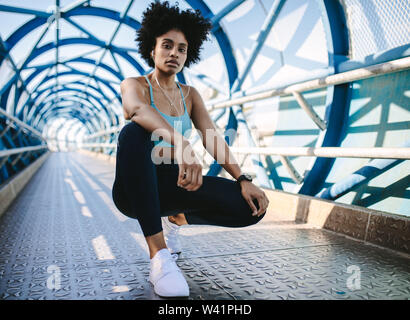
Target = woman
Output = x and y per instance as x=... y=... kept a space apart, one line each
x=145 y=189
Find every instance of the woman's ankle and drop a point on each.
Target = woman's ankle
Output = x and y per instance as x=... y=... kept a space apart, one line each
x=155 y=243
x=178 y=219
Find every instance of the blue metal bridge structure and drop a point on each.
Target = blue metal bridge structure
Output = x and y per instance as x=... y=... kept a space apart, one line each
x=311 y=95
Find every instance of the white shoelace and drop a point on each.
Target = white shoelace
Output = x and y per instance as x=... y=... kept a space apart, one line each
x=165 y=266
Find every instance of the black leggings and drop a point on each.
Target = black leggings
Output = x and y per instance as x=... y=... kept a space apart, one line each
x=145 y=191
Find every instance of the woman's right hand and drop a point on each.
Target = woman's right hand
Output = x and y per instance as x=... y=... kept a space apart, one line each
x=190 y=169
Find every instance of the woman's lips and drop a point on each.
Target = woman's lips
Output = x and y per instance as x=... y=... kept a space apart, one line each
x=173 y=63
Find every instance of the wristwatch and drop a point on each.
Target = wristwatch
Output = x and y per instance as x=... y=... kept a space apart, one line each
x=244 y=176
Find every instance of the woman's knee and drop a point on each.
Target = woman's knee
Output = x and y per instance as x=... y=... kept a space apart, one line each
x=244 y=213
x=251 y=220
x=119 y=197
x=133 y=133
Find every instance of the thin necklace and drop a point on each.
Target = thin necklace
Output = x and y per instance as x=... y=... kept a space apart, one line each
x=171 y=102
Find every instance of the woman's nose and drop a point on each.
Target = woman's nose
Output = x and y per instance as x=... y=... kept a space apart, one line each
x=174 y=53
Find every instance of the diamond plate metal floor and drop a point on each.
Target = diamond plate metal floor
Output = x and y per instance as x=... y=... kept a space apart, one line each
x=63 y=238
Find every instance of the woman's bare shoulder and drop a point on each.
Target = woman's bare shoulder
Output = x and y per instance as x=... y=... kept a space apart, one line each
x=134 y=82
x=188 y=90
x=133 y=90
x=185 y=87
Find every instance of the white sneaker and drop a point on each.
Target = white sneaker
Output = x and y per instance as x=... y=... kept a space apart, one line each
x=171 y=235
x=166 y=276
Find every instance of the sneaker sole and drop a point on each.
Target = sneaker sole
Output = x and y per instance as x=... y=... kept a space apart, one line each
x=161 y=296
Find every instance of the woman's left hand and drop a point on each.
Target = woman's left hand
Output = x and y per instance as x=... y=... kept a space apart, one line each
x=250 y=192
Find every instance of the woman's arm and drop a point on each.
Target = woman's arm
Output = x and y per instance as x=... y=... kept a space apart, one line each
x=136 y=108
x=211 y=139
x=219 y=150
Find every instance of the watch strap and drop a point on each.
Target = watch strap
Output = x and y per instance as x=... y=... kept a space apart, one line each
x=244 y=177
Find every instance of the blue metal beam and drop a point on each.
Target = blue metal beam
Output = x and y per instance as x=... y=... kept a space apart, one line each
x=90 y=106
x=73 y=114
x=80 y=60
x=226 y=10
x=222 y=39
x=108 y=45
x=99 y=12
x=375 y=58
x=262 y=177
x=29 y=103
x=260 y=41
x=48 y=106
x=103 y=13
x=43 y=33
x=80 y=73
x=67 y=87
x=338 y=97
x=57 y=41
x=6 y=54
x=230 y=62
x=57 y=110
x=37 y=13
x=84 y=102
x=102 y=109
x=48 y=78
x=368 y=172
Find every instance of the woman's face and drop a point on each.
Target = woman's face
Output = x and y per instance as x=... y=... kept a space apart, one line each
x=170 y=52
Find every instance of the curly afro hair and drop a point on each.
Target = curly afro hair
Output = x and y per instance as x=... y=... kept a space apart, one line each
x=159 y=18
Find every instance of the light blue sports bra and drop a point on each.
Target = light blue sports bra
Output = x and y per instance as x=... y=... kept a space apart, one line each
x=182 y=124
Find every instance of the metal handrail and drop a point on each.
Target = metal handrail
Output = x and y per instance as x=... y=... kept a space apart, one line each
x=98 y=145
x=321 y=152
x=22 y=124
x=10 y=152
x=103 y=133
x=330 y=152
x=335 y=79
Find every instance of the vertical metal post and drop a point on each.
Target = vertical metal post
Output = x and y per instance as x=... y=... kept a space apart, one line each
x=276 y=8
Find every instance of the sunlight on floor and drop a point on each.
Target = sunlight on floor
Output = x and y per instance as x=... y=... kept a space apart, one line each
x=102 y=249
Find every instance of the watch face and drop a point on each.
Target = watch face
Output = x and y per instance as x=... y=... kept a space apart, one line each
x=246 y=177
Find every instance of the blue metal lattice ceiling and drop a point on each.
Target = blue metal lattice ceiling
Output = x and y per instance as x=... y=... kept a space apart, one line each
x=73 y=54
